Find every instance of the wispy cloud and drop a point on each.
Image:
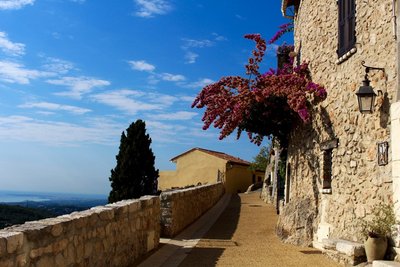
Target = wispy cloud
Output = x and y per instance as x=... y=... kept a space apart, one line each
x=57 y=65
x=190 y=44
x=78 y=1
x=141 y=65
x=15 y=4
x=150 y=8
x=13 y=72
x=193 y=43
x=176 y=116
x=172 y=77
x=165 y=132
x=56 y=107
x=154 y=78
x=218 y=37
x=187 y=98
x=94 y=131
x=10 y=48
x=200 y=83
x=78 y=85
x=129 y=101
x=190 y=57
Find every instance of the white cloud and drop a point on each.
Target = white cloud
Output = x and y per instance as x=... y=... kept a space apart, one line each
x=13 y=72
x=162 y=99
x=218 y=37
x=128 y=101
x=95 y=131
x=188 y=43
x=200 y=83
x=10 y=48
x=57 y=65
x=187 y=98
x=78 y=85
x=161 y=132
x=172 y=77
x=15 y=4
x=141 y=65
x=190 y=57
x=149 y=8
x=78 y=1
x=176 y=116
x=56 y=107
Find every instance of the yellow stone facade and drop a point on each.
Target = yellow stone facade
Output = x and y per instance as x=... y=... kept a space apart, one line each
x=201 y=166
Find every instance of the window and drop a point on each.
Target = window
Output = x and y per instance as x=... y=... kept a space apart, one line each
x=347 y=23
x=327 y=169
x=327 y=148
x=287 y=193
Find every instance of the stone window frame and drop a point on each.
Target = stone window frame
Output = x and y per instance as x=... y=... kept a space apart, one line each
x=346 y=29
x=327 y=171
x=327 y=148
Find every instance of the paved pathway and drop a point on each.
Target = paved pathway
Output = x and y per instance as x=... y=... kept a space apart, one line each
x=243 y=235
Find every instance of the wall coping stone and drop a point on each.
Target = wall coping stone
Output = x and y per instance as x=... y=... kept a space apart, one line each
x=385 y=264
x=350 y=248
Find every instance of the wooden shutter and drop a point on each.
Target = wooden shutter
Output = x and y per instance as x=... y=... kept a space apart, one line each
x=346 y=26
x=351 y=23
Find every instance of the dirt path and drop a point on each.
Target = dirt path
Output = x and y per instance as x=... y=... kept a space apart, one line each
x=244 y=235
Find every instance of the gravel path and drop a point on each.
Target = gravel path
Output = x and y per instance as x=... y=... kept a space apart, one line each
x=244 y=235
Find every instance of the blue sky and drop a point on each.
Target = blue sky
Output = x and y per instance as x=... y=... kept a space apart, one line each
x=75 y=73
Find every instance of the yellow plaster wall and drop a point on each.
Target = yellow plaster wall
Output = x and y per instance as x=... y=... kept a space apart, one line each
x=239 y=178
x=166 y=179
x=192 y=168
x=200 y=167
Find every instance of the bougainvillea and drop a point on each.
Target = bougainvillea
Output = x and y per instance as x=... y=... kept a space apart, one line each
x=284 y=28
x=267 y=104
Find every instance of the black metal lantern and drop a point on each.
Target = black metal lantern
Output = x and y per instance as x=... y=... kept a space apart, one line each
x=365 y=94
x=366 y=97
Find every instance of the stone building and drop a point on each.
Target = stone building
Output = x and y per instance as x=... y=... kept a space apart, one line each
x=344 y=162
x=203 y=166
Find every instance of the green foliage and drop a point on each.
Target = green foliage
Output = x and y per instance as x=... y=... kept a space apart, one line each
x=282 y=164
x=135 y=174
x=383 y=219
x=260 y=161
x=10 y=215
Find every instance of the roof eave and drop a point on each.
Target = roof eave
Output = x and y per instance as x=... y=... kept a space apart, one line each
x=284 y=6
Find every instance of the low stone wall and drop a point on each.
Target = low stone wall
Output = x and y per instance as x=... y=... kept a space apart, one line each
x=113 y=235
x=180 y=208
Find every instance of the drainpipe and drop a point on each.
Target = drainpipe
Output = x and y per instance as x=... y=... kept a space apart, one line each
x=396 y=13
x=394 y=19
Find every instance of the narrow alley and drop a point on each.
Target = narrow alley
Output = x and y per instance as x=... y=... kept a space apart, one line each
x=238 y=231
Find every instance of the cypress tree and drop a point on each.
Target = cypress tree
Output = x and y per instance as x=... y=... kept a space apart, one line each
x=134 y=174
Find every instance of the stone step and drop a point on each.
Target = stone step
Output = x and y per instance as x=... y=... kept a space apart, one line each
x=385 y=264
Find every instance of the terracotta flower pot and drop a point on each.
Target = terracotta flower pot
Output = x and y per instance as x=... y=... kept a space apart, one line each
x=375 y=248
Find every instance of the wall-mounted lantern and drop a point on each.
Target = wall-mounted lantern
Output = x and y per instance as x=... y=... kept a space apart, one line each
x=365 y=94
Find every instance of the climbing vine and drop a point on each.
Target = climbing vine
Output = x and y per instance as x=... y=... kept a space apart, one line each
x=262 y=104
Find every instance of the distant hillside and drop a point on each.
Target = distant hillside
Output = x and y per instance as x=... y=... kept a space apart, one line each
x=21 y=212
x=10 y=215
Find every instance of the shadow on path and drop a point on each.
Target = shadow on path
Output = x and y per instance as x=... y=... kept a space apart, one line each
x=211 y=246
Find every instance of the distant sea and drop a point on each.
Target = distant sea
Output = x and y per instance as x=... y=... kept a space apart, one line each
x=16 y=196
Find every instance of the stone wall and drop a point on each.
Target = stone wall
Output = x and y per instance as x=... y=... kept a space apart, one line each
x=179 y=208
x=358 y=182
x=113 y=235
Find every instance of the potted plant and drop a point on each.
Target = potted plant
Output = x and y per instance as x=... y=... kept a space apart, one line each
x=377 y=230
